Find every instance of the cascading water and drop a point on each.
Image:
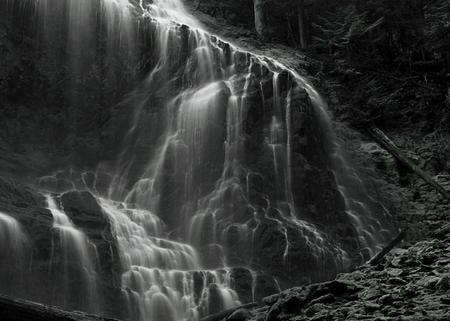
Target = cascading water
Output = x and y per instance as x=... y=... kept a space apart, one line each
x=163 y=280
x=73 y=260
x=14 y=247
x=228 y=169
x=203 y=131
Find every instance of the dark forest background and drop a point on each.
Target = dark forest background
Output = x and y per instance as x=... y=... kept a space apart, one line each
x=394 y=55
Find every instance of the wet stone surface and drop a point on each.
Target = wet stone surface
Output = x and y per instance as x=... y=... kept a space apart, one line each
x=410 y=283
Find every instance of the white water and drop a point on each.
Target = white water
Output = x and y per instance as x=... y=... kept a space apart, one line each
x=14 y=248
x=163 y=279
x=74 y=262
x=214 y=94
x=174 y=242
x=191 y=131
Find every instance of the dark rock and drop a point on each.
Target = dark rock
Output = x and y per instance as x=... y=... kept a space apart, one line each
x=394 y=272
x=370 y=294
x=243 y=284
x=315 y=308
x=86 y=213
x=429 y=281
x=327 y=298
x=372 y=307
x=443 y=284
x=397 y=281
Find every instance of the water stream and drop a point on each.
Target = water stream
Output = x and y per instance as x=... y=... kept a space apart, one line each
x=206 y=178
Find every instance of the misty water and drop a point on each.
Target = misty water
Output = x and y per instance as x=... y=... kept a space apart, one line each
x=183 y=196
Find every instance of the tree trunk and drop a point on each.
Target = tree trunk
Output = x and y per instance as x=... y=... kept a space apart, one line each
x=22 y=310
x=302 y=25
x=387 y=144
x=377 y=258
x=224 y=314
x=260 y=19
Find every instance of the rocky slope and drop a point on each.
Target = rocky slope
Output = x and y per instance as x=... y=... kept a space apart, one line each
x=411 y=283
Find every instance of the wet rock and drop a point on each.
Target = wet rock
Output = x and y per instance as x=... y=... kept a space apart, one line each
x=370 y=294
x=216 y=304
x=265 y=285
x=86 y=213
x=443 y=284
x=243 y=284
x=28 y=208
x=371 y=307
x=327 y=298
x=407 y=292
x=315 y=308
x=394 y=272
x=429 y=281
x=396 y=281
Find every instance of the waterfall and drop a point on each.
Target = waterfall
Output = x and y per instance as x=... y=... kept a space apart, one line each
x=14 y=248
x=203 y=124
x=73 y=262
x=163 y=278
x=224 y=181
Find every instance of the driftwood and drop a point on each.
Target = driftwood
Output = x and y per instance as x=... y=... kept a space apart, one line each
x=387 y=144
x=22 y=310
x=377 y=258
x=221 y=315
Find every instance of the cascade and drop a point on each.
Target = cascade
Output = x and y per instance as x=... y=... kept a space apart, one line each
x=14 y=248
x=163 y=278
x=73 y=263
x=227 y=182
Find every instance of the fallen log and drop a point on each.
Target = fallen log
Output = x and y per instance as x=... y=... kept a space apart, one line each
x=22 y=310
x=377 y=258
x=221 y=315
x=387 y=144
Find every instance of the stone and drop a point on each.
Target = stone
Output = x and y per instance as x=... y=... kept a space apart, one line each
x=314 y=308
x=397 y=281
x=370 y=294
x=443 y=284
x=327 y=298
x=429 y=281
x=371 y=307
x=394 y=272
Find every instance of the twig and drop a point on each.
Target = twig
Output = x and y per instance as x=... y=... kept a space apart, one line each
x=226 y=313
x=377 y=258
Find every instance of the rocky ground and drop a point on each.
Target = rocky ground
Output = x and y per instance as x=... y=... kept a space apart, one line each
x=410 y=283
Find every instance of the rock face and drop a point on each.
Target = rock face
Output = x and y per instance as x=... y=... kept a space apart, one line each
x=409 y=284
x=87 y=215
x=34 y=274
x=28 y=208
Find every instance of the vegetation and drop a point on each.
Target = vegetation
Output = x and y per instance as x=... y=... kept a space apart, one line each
x=394 y=55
